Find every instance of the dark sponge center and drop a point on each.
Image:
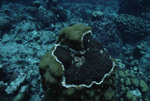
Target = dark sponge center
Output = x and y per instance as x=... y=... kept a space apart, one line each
x=83 y=67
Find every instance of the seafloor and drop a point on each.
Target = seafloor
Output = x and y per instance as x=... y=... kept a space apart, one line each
x=28 y=29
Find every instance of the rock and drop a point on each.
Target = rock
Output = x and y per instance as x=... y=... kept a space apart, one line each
x=122 y=80
x=131 y=27
x=120 y=64
x=128 y=82
x=37 y=3
x=146 y=98
x=140 y=50
x=144 y=61
x=51 y=4
x=134 y=98
x=135 y=82
x=35 y=97
x=5 y=38
x=129 y=95
x=19 y=97
x=121 y=99
x=18 y=40
x=109 y=94
x=106 y=32
x=25 y=27
x=136 y=8
x=61 y=14
x=97 y=98
x=136 y=93
x=2 y=84
x=135 y=69
x=31 y=10
x=121 y=73
x=97 y=15
x=24 y=89
x=45 y=16
x=132 y=74
x=91 y=94
x=14 y=85
x=123 y=89
x=1 y=66
x=127 y=73
x=134 y=63
x=143 y=86
x=4 y=24
x=70 y=91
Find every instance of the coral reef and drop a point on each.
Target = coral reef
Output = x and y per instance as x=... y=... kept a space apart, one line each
x=133 y=86
x=29 y=29
x=105 y=31
x=69 y=70
x=131 y=27
x=136 y=7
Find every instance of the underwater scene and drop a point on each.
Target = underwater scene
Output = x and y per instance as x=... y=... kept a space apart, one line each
x=74 y=50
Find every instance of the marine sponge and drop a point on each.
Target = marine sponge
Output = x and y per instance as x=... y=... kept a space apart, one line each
x=76 y=61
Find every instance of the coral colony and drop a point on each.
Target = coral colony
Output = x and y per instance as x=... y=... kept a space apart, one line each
x=82 y=61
